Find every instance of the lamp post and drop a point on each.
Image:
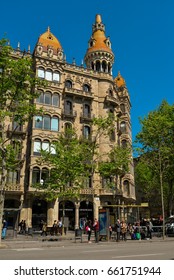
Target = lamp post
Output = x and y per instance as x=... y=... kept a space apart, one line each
x=87 y=204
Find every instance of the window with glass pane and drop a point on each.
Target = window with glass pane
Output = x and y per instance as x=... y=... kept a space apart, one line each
x=56 y=100
x=36 y=175
x=47 y=98
x=40 y=98
x=55 y=124
x=126 y=186
x=41 y=73
x=45 y=174
x=48 y=75
x=87 y=132
x=68 y=84
x=86 y=88
x=45 y=146
x=86 y=111
x=56 y=76
x=38 y=122
x=13 y=177
x=47 y=122
x=123 y=127
x=52 y=149
x=37 y=147
x=68 y=107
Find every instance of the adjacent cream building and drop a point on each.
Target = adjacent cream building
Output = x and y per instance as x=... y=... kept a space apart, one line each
x=74 y=95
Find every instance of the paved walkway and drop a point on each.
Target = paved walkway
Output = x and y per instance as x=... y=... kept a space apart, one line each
x=28 y=241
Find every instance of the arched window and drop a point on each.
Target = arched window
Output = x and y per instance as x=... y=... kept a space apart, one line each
x=104 y=66
x=41 y=73
x=123 y=127
x=55 y=123
x=122 y=107
x=86 y=132
x=86 y=111
x=68 y=84
x=48 y=75
x=36 y=175
x=44 y=174
x=37 y=147
x=126 y=187
x=55 y=100
x=46 y=122
x=47 y=98
x=98 y=65
x=52 y=149
x=40 y=98
x=56 y=76
x=45 y=146
x=124 y=143
x=86 y=88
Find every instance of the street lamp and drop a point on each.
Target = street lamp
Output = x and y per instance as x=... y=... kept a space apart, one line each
x=87 y=203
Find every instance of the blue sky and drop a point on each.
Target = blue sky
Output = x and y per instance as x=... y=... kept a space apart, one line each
x=141 y=33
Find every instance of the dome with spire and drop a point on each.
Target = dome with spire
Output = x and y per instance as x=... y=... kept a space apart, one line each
x=98 y=40
x=99 y=55
x=119 y=80
x=48 y=39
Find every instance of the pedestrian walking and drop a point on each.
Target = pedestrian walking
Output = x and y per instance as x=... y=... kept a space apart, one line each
x=44 y=229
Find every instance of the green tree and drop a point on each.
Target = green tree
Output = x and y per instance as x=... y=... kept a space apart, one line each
x=157 y=147
x=75 y=159
x=17 y=90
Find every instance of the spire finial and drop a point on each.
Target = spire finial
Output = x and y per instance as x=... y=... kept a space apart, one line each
x=98 y=19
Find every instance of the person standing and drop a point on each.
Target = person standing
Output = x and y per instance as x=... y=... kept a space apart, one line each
x=149 y=229
x=4 y=229
x=96 y=230
x=89 y=230
x=123 y=230
x=118 y=230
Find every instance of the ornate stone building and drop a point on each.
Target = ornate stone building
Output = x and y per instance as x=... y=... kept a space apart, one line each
x=74 y=95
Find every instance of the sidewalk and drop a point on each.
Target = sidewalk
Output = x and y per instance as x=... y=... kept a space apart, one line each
x=28 y=241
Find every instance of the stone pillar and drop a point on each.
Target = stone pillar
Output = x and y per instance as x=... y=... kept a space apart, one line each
x=77 y=206
x=29 y=213
x=122 y=212
x=96 y=203
x=50 y=213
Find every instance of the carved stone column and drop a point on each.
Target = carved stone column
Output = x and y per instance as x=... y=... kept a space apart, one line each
x=96 y=203
x=50 y=213
x=77 y=206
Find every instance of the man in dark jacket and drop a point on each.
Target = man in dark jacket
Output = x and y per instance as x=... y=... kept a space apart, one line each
x=118 y=230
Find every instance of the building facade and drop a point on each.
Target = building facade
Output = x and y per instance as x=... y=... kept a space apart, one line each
x=73 y=96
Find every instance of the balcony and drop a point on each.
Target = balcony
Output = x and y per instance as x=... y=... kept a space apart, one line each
x=77 y=92
x=86 y=117
x=69 y=114
x=18 y=130
x=89 y=191
x=13 y=188
x=110 y=191
x=111 y=99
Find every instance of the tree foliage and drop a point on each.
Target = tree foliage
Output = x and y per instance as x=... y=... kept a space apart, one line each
x=156 y=151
